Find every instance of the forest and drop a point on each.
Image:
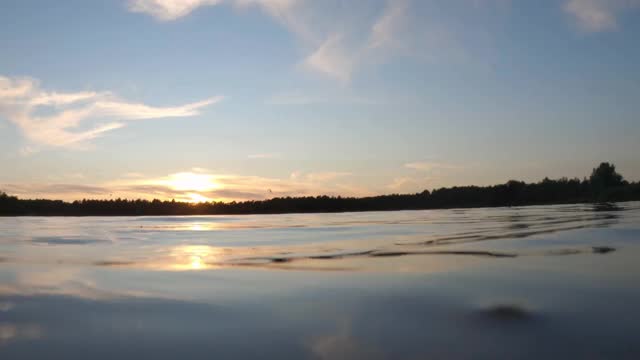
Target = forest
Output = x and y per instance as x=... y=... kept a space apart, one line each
x=602 y=186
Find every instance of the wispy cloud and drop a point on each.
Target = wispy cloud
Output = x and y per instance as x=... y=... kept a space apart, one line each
x=341 y=53
x=167 y=10
x=196 y=186
x=336 y=42
x=598 y=15
x=340 y=38
x=387 y=26
x=332 y=59
x=23 y=102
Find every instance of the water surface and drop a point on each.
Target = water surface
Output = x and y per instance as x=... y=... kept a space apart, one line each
x=529 y=282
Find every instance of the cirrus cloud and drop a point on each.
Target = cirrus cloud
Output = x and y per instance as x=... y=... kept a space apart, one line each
x=598 y=15
x=337 y=43
x=195 y=186
x=167 y=10
x=64 y=123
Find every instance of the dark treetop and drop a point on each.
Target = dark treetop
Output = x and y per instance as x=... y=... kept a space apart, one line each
x=604 y=185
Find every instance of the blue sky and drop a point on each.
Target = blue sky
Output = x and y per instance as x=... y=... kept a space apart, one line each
x=248 y=99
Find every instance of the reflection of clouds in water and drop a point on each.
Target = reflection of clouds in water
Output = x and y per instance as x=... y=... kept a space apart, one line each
x=6 y=306
x=342 y=345
x=59 y=281
x=47 y=277
x=12 y=332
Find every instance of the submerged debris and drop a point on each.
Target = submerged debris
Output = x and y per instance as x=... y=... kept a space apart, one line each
x=602 y=249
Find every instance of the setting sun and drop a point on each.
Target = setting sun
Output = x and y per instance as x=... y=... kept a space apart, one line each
x=287 y=179
x=196 y=198
x=188 y=181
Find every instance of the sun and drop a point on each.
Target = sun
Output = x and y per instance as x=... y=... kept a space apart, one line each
x=192 y=185
x=196 y=263
x=197 y=198
x=188 y=181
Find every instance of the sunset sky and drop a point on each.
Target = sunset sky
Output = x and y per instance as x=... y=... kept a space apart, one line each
x=203 y=100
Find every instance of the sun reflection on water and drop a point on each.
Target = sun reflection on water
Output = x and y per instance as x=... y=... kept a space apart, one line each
x=194 y=257
x=197 y=227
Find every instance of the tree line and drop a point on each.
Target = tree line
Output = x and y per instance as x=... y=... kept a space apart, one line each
x=604 y=185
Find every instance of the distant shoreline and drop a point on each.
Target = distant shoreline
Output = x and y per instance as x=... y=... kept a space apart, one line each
x=598 y=206
x=603 y=186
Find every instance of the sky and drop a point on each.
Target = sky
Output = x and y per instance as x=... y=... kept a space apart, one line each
x=221 y=100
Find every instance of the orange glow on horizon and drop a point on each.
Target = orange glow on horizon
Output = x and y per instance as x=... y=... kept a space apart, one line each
x=197 y=198
x=188 y=181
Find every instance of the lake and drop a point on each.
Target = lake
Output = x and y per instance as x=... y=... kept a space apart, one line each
x=528 y=282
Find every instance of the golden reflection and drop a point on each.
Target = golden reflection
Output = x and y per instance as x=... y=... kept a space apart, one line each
x=197 y=227
x=203 y=226
x=194 y=257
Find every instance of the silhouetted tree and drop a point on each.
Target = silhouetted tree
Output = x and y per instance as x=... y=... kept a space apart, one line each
x=605 y=184
x=604 y=177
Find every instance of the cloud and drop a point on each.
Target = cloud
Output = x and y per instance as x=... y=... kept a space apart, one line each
x=332 y=59
x=44 y=190
x=55 y=119
x=384 y=30
x=331 y=32
x=340 y=39
x=341 y=54
x=407 y=184
x=598 y=15
x=197 y=186
x=167 y=10
x=170 y=10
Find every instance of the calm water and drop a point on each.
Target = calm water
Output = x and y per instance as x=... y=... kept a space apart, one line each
x=534 y=282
